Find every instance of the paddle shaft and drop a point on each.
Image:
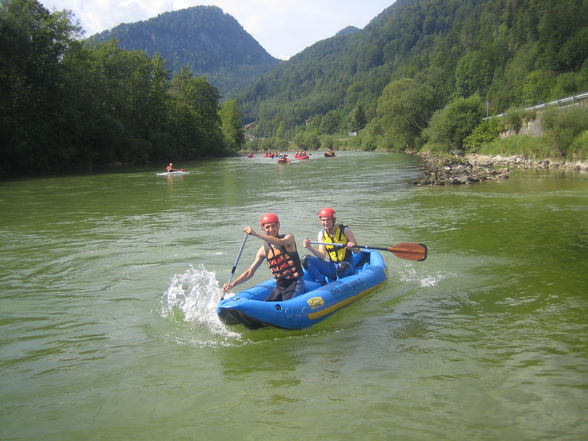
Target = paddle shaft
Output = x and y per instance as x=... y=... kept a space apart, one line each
x=237 y=259
x=408 y=251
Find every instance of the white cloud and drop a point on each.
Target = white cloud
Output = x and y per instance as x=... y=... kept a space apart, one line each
x=282 y=27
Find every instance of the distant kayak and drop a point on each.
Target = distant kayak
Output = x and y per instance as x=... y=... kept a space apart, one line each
x=177 y=172
x=329 y=155
x=283 y=160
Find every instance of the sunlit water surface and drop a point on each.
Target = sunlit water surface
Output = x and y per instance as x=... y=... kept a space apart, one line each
x=109 y=284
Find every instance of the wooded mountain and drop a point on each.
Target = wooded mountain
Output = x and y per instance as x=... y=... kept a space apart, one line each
x=202 y=38
x=507 y=52
x=68 y=104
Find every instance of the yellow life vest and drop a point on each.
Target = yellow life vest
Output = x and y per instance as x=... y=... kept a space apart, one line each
x=336 y=254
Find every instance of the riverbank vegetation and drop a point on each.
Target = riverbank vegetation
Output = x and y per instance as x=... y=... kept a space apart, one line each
x=423 y=75
x=561 y=133
x=66 y=104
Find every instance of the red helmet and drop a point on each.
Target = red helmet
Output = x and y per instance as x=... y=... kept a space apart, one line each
x=269 y=218
x=327 y=212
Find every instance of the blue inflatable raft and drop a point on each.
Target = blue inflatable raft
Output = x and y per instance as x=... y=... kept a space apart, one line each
x=316 y=304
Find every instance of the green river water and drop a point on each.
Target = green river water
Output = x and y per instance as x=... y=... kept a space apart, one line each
x=109 y=282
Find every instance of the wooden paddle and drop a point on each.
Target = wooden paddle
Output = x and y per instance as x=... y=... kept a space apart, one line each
x=408 y=251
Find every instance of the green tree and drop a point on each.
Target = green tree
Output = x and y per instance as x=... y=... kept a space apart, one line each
x=404 y=110
x=450 y=126
x=573 y=51
x=232 y=125
x=330 y=123
x=537 y=87
x=33 y=42
x=473 y=73
x=563 y=126
x=487 y=131
x=196 y=114
x=357 y=119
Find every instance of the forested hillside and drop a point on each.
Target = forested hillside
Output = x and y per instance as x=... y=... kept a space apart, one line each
x=421 y=75
x=204 y=39
x=504 y=52
x=66 y=105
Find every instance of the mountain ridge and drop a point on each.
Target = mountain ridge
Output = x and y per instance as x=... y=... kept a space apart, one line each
x=205 y=39
x=508 y=53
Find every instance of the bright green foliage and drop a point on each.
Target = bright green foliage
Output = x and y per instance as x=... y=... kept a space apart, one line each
x=522 y=145
x=484 y=133
x=307 y=140
x=537 y=86
x=231 y=124
x=473 y=73
x=357 y=119
x=404 y=110
x=330 y=123
x=515 y=118
x=563 y=128
x=578 y=149
x=565 y=135
x=451 y=125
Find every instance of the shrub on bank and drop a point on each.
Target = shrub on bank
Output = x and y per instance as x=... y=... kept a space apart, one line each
x=485 y=133
x=565 y=135
x=449 y=126
x=563 y=126
x=578 y=150
x=515 y=118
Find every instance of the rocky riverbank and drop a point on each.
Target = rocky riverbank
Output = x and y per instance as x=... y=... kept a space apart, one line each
x=456 y=170
x=523 y=162
x=473 y=168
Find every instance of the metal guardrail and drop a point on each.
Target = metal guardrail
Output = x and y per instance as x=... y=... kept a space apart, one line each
x=568 y=101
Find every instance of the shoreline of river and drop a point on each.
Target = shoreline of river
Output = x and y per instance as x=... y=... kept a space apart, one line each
x=473 y=168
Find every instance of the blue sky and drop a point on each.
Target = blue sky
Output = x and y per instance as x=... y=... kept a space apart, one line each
x=283 y=27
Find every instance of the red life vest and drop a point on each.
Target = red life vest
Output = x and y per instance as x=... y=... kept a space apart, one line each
x=284 y=265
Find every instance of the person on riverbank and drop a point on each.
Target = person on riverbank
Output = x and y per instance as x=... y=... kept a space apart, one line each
x=329 y=260
x=282 y=258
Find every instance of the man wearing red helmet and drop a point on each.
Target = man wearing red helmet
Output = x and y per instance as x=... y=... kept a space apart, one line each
x=282 y=258
x=340 y=261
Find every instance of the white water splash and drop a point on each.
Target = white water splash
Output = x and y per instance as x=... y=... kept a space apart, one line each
x=426 y=281
x=193 y=296
x=433 y=280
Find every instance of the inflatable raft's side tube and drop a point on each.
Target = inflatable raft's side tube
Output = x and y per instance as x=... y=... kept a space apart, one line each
x=249 y=308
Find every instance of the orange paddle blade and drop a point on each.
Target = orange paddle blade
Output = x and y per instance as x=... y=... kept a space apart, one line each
x=409 y=251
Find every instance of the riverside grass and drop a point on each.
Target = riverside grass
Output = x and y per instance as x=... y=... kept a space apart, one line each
x=520 y=145
x=542 y=147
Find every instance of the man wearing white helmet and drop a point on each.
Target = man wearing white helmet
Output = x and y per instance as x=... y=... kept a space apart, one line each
x=282 y=258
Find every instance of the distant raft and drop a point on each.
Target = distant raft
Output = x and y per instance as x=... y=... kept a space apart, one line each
x=175 y=172
x=316 y=304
